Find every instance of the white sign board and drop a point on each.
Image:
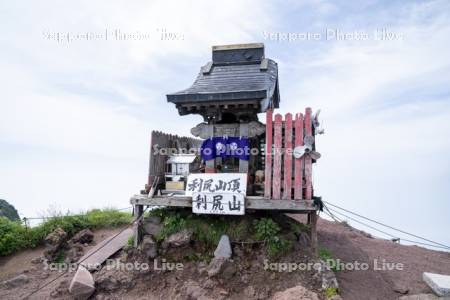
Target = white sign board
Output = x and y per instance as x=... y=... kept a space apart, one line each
x=217 y=193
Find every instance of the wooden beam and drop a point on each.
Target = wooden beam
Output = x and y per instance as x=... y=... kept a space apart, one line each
x=251 y=202
x=298 y=164
x=276 y=186
x=268 y=154
x=287 y=187
x=308 y=160
x=313 y=233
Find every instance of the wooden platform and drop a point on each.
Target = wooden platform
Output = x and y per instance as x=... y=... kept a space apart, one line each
x=251 y=202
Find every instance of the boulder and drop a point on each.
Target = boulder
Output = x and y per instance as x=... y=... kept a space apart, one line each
x=297 y=292
x=440 y=284
x=223 y=248
x=179 y=239
x=149 y=247
x=84 y=236
x=152 y=229
x=153 y=220
x=54 y=242
x=16 y=281
x=82 y=285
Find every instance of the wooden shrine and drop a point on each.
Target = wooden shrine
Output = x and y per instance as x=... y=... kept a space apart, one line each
x=229 y=93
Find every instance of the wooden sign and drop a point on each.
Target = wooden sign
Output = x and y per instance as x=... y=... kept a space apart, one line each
x=217 y=193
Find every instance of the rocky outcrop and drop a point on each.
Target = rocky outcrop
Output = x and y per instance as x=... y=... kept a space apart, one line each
x=85 y=236
x=54 y=243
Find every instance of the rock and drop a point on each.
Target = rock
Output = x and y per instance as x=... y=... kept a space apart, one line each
x=221 y=267
x=54 y=242
x=209 y=284
x=193 y=290
x=37 y=260
x=440 y=284
x=152 y=229
x=85 y=236
x=82 y=285
x=60 y=290
x=420 y=297
x=327 y=276
x=179 y=239
x=202 y=267
x=153 y=219
x=223 y=248
x=15 y=282
x=74 y=253
x=149 y=247
x=249 y=291
x=297 y=292
x=398 y=288
x=303 y=240
x=56 y=238
x=107 y=283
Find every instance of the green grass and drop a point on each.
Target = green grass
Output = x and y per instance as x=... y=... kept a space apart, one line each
x=208 y=229
x=327 y=257
x=330 y=292
x=14 y=236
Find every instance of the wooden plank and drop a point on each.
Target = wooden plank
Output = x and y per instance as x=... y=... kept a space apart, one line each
x=298 y=164
x=276 y=186
x=103 y=250
x=308 y=160
x=313 y=233
x=268 y=153
x=251 y=202
x=287 y=186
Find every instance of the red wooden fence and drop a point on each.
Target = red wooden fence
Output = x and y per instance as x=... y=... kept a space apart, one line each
x=287 y=177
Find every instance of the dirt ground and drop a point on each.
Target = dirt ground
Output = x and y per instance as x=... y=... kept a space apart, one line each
x=348 y=245
x=345 y=243
x=21 y=263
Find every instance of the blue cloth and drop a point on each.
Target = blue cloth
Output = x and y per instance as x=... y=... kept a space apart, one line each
x=225 y=147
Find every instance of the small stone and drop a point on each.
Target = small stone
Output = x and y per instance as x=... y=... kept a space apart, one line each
x=208 y=284
x=82 y=285
x=297 y=292
x=223 y=248
x=202 y=267
x=16 y=281
x=249 y=291
x=37 y=260
x=400 y=289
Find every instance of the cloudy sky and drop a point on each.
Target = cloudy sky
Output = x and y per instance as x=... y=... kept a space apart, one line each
x=76 y=113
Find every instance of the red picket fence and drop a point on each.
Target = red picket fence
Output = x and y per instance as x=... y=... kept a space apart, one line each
x=287 y=177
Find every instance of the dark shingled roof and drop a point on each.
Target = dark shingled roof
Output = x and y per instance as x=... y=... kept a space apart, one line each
x=234 y=75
